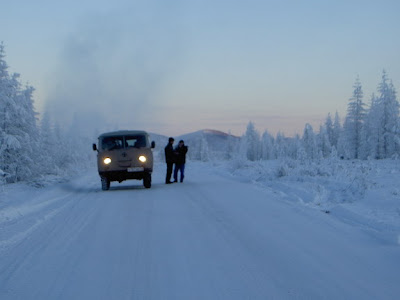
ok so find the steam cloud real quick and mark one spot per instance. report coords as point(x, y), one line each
point(113, 67)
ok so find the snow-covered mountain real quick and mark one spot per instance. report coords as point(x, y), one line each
point(209, 134)
point(207, 142)
point(160, 140)
point(202, 143)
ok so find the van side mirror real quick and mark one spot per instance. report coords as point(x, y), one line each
point(94, 147)
point(153, 144)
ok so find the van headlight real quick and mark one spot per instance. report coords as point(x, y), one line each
point(107, 160)
point(142, 158)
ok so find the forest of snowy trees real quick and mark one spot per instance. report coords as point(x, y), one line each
point(31, 149)
point(368, 132)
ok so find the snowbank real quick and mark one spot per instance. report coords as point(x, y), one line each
point(362, 193)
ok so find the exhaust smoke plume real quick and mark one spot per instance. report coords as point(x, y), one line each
point(112, 70)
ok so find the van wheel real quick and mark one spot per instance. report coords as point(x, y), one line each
point(105, 183)
point(147, 181)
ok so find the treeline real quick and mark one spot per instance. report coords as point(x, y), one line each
point(30, 150)
point(368, 132)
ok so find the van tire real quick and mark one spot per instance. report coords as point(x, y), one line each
point(147, 181)
point(105, 183)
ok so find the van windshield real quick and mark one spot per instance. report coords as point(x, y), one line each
point(112, 142)
point(121, 142)
point(136, 141)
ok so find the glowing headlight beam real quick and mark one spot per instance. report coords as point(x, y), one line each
point(107, 160)
point(142, 158)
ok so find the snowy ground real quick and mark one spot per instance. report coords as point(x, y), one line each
point(365, 194)
point(237, 230)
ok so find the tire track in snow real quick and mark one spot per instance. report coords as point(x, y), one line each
point(34, 241)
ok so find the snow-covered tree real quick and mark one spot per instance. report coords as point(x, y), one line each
point(382, 122)
point(47, 143)
point(389, 108)
point(280, 148)
point(252, 140)
point(324, 144)
point(30, 136)
point(329, 129)
point(232, 146)
point(337, 131)
point(372, 130)
point(309, 142)
point(352, 128)
point(267, 146)
point(294, 147)
point(18, 132)
point(300, 151)
point(6, 101)
point(26, 151)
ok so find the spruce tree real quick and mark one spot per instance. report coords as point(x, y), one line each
point(329, 129)
point(336, 135)
point(309, 142)
point(324, 144)
point(382, 122)
point(18, 131)
point(252, 139)
point(280, 145)
point(9, 131)
point(267, 146)
point(352, 128)
point(373, 130)
point(390, 115)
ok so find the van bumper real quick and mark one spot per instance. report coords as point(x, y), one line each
point(124, 175)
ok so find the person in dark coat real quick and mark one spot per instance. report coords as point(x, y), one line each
point(169, 159)
point(180, 151)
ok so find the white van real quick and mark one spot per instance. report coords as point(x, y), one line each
point(122, 155)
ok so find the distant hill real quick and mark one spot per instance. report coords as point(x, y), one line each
point(160, 140)
point(201, 143)
point(209, 142)
point(206, 132)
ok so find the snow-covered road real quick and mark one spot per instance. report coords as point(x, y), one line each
point(211, 237)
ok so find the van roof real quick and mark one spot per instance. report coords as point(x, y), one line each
point(124, 132)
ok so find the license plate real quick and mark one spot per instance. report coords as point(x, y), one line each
point(135, 169)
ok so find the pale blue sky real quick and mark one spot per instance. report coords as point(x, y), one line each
point(176, 66)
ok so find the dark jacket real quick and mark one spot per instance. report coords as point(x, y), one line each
point(169, 154)
point(181, 154)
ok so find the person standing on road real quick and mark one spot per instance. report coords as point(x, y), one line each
point(180, 151)
point(169, 159)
